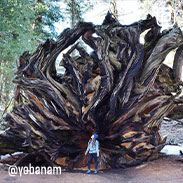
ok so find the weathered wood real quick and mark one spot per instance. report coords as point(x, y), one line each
point(121, 91)
point(177, 64)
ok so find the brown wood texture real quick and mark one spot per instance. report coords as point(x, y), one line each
point(121, 90)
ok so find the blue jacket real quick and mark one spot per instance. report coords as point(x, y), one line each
point(94, 149)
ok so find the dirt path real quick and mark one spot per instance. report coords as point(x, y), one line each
point(167, 169)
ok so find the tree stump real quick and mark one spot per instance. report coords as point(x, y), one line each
point(121, 90)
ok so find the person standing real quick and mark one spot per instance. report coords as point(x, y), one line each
point(93, 149)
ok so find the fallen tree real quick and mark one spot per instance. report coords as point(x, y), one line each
point(121, 91)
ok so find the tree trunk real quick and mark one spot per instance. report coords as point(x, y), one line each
point(121, 91)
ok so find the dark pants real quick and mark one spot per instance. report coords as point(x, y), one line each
point(92, 155)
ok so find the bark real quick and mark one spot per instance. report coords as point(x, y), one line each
point(177, 64)
point(121, 91)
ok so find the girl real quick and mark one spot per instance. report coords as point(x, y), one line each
point(93, 148)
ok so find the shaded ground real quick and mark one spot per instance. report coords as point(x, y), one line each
point(167, 169)
point(173, 130)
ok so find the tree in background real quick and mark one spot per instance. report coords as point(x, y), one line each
point(22, 25)
point(75, 10)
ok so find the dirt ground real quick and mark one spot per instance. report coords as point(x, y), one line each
point(167, 169)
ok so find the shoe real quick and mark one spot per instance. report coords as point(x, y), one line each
point(95, 171)
point(89, 171)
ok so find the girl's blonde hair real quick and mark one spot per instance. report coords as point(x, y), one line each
point(93, 143)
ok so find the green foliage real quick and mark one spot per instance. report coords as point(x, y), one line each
point(23, 23)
